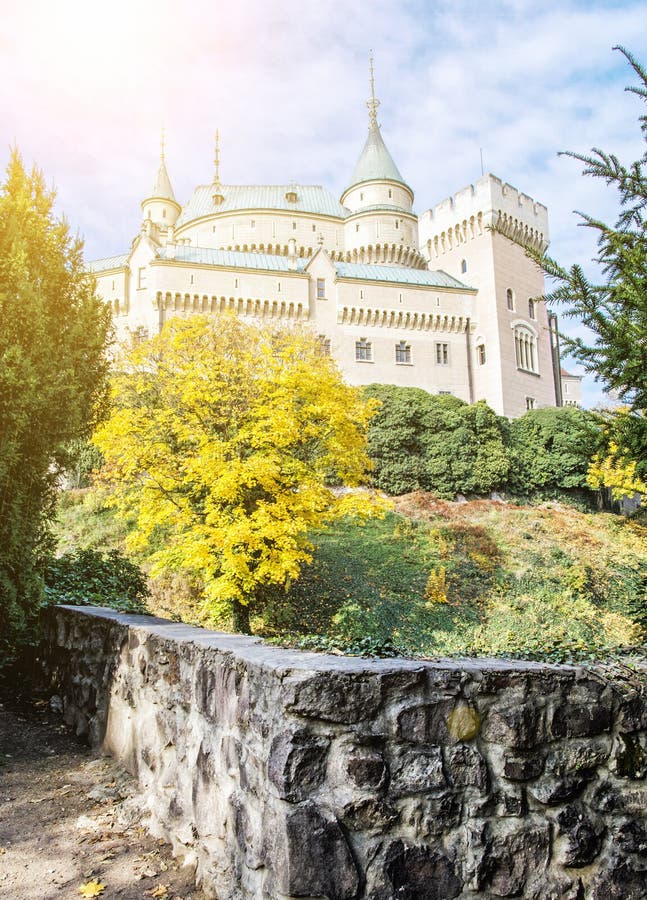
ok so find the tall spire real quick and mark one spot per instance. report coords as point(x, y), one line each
point(162, 189)
point(216, 160)
point(372, 104)
point(217, 196)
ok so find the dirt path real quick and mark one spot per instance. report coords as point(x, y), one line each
point(68, 818)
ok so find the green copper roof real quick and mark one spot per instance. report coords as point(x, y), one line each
point(162, 189)
point(209, 256)
point(399, 275)
point(311, 198)
point(375, 162)
point(110, 262)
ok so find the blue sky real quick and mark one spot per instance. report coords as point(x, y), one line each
point(85, 87)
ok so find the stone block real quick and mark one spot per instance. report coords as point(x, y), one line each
point(553, 790)
point(583, 837)
point(297, 763)
point(466, 767)
point(630, 757)
point(367, 769)
point(370, 815)
point(315, 859)
point(334, 697)
point(520, 767)
point(418, 771)
point(620, 879)
point(421, 873)
point(433, 722)
point(432, 815)
point(631, 837)
point(515, 858)
point(518, 726)
point(585, 710)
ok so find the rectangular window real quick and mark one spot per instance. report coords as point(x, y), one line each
point(321, 288)
point(141, 277)
point(294, 226)
point(445, 393)
point(530, 402)
point(253, 223)
point(403, 352)
point(442, 354)
point(480, 352)
point(363, 350)
point(324, 345)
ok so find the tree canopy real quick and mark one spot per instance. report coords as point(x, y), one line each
point(52, 378)
point(223, 440)
point(420, 441)
point(615, 308)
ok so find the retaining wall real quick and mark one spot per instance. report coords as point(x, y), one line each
point(302, 775)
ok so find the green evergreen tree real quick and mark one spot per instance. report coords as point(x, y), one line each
point(53, 371)
point(615, 309)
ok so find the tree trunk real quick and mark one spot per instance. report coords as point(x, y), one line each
point(241, 617)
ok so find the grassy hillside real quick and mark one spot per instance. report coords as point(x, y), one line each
point(436, 577)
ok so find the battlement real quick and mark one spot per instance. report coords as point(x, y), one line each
point(488, 195)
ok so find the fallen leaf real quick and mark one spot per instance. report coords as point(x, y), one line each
point(92, 888)
point(161, 891)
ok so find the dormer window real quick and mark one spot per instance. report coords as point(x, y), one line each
point(218, 198)
point(291, 196)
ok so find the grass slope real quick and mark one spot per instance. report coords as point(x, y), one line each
point(436, 577)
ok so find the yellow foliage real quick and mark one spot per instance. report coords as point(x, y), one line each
point(222, 439)
point(437, 587)
point(92, 888)
point(615, 471)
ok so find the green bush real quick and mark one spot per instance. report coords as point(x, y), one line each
point(436, 443)
point(550, 451)
point(91, 578)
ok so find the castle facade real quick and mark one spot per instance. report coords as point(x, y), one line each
point(438, 301)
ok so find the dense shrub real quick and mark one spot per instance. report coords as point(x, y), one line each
point(419, 441)
point(91, 578)
point(551, 449)
point(396, 437)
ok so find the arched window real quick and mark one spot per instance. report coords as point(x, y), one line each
point(480, 354)
point(509, 297)
point(531, 309)
point(463, 266)
point(525, 348)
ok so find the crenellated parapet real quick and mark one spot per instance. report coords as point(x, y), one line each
point(489, 203)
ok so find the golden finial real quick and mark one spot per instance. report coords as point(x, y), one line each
point(163, 144)
point(372, 103)
point(216, 159)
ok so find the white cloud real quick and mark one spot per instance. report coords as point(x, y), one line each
point(85, 88)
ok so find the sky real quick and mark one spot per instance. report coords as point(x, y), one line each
point(86, 86)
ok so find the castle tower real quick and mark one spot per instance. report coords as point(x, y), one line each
point(382, 228)
point(161, 208)
point(511, 354)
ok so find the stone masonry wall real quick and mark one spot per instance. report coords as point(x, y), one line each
point(301, 775)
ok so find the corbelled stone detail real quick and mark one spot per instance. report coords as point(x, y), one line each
point(288, 774)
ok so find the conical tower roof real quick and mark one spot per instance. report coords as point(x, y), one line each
point(375, 162)
point(162, 189)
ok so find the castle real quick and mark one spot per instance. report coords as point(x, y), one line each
point(438, 301)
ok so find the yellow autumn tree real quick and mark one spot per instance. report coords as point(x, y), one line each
point(222, 442)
